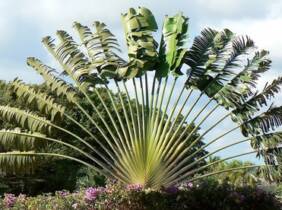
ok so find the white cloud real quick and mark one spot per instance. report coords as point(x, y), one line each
point(233, 9)
point(266, 33)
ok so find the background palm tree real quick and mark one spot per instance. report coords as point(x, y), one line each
point(141, 142)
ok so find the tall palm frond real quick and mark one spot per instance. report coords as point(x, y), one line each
point(102, 48)
point(57, 85)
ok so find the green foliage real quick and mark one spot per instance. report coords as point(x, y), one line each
point(142, 48)
point(240, 177)
point(101, 111)
point(173, 49)
point(206, 195)
point(57, 172)
point(86, 178)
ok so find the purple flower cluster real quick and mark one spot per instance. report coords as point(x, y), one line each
point(9, 200)
point(134, 187)
point(187, 185)
point(91, 193)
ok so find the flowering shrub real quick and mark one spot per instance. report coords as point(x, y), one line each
point(201, 196)
point(9, 200)
point(134, 187)
point(91, 193)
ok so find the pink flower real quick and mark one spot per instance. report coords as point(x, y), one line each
point(9, 200)
point(189, 184)
point(134, 187)
point(91, 193)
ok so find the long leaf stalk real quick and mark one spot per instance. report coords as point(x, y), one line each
point(126, 144)
point(114, 104)
point(153, 164)
point(169, 133)
point(38, 96)
point(143, 109)
point(190, 165)
point(127, 120)
point(154, 107)
point(160, 126)
point(153, 144)
point(138, 112)
point(185, 173)
point(95, 160)
point(161, 139)
point(131, 149)
point(152, 100)
point(181, 123)
point(216, 151)
point(73, 135)
point(147, 98)
point(176, 152)
point(176, 146)
point(211, 142)
point(121, 162)
point(147, 134)
point(48, 154)
point(224, 171)
point(135, 141)
point(140, 131)
point(159, 109)
point(195, 118)
point(125, 162)
point(145, 142)
point(95, 138)
point(217, 138)
point(133, 118)
point(180, 162)
point(111, 117)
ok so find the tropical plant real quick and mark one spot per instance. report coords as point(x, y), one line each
point(51, 175)
point(148, 147)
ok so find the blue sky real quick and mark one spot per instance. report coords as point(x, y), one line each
point(24, 22)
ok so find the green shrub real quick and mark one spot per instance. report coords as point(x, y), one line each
point(208, 195)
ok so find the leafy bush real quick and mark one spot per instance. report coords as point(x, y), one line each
point(198, 196)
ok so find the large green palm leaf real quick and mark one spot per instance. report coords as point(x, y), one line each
point(150, 137)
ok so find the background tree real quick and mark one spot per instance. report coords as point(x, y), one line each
point(240, 177)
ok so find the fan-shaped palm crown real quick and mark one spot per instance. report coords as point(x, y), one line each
point(158, 86)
